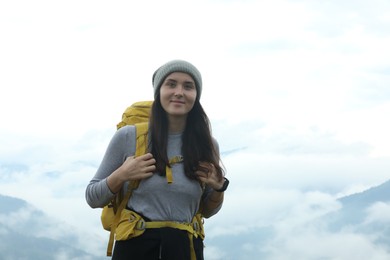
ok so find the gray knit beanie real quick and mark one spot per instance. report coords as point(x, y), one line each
point(177, 66)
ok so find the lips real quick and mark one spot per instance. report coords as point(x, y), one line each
point(177, 101)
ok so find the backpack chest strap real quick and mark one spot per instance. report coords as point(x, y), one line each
point(168, 169)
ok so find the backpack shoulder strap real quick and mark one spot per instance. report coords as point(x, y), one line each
point(122, 205)
point(141, 148)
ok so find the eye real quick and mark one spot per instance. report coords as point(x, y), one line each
point(189, 86)
point(170, 83)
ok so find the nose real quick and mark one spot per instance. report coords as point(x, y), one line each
point(179, 91)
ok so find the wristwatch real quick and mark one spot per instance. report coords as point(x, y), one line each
point(224, 186)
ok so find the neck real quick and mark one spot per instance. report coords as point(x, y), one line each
point(176, 124)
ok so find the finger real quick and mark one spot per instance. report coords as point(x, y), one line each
point(203, 168)
point(150, 169)
point(145, 157)
point(203, 180)
point(202, 174)
point(148, 163)
point(206, 166)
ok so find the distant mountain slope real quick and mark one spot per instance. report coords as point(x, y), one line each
point(354, 207)
point(22, 229)
point(368, 197)
point(351, 218)
point(355, 214)
point(10, 204)
point(20, 246)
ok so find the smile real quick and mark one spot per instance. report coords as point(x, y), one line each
point(177, 102)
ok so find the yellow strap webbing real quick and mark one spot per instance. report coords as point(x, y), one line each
point(192, 248)
point(142, 139)
point(168, 170)
point(168, 173)
point(171, 224)
point(130, 189)
point(141, 147)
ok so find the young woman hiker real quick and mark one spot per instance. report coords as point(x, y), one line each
point(178, 127)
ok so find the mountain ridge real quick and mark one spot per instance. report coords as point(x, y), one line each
point(24, 227)
point(24, 232)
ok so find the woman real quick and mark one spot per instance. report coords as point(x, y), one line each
point(178, 127)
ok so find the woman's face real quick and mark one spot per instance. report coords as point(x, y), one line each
point(178, 94)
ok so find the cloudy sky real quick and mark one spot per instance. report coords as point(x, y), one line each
point(298, 93)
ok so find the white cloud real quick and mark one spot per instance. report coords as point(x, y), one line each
point(317, 244)
point(214, 253)
point(298, 102)
point(378, 213)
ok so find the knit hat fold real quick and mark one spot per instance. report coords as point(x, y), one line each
point(176, 66)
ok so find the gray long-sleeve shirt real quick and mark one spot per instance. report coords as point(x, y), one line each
point(154, 198)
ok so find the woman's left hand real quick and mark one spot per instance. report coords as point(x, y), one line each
point(208, 175)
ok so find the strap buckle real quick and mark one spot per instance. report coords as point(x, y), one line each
point(141, 225)
point(195, 226)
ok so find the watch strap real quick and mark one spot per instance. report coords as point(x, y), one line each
point(224, 186)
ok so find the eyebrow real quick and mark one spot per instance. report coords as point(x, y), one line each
point(171, 80)
point(185, 82)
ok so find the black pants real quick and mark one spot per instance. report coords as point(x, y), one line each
point(156, 244)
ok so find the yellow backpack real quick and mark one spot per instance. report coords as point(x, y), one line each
point(138, 114)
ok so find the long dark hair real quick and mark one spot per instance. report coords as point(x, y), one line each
point(197, 141)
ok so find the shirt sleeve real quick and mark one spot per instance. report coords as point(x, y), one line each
point(121, 146)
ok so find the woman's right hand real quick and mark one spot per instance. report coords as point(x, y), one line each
point(138, 168)
point(133, 168)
